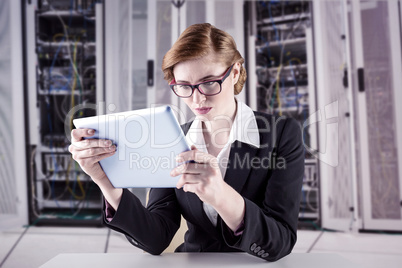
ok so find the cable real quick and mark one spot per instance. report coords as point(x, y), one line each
point(270, 100)
point(51, 149)
point(308, 201)
point(74, 85)
point(280, 60)
point(85, 12)
point(73, 193)
point(87, 70)
point(266, 45)
point(278, 97)
point(76, 180)
point(48, 101)
point(295, 81)
point(64, 108)
point(282, 47)
point(33, 207)
point(57, 35)
point(57, 109)
point(52, 65)
point(32, 167)
point(58, 74)
point(68, 46)
point(273, 23)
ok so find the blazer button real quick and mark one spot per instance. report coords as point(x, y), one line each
point(257, 249)
point(253, 246)
point(260, 252)
point(266, 254)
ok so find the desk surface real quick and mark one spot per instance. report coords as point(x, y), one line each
point(195, 260)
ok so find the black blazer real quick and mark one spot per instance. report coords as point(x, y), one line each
point(271, 191)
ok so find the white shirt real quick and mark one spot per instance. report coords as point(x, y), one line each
point(244, 129)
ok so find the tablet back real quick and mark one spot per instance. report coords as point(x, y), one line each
point(147, 141)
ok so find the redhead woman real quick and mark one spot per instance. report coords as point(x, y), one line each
point(239, 190)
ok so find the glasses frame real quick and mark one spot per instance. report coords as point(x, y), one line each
point(197, 86)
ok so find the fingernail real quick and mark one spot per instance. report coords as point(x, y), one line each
point(108, 143)
point(112, 148)
point(91, 132)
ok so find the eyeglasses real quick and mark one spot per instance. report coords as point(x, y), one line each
point(208, 88)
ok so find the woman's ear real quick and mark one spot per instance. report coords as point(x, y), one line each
point(236, 73)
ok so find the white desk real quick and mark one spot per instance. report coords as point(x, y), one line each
point(195, 260)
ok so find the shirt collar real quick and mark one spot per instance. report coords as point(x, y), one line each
point(244, 129)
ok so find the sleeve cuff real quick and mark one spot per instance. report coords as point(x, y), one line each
point(239, 230)
point(109, 211)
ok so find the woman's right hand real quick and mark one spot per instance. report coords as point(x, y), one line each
point(88, 152)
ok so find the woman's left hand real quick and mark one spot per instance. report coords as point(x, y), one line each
point(200, 175)
point(203, 177)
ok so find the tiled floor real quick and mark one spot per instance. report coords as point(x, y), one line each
point(34, 246)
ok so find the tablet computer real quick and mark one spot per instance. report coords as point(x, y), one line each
point(147, 142)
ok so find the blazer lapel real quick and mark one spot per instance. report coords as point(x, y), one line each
point(239, 166)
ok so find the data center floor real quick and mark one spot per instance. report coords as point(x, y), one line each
point(33, 246)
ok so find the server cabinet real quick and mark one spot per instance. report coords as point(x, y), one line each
point(375, 28)
point(62, 73)
point(334, 106)
point(281, 73)
point(358, 67)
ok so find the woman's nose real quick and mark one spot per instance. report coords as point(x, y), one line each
point(197, 96)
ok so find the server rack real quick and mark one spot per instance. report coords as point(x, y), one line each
point(375, 42)
point(62, 74)
point(282, 82)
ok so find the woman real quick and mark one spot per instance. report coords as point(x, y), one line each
point(240, 187)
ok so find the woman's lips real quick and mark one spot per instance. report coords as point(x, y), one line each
point(203, 110)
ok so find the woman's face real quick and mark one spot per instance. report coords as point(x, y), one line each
point(206, 69)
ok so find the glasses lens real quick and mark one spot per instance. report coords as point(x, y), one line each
point(183, 90)
point(210, 88)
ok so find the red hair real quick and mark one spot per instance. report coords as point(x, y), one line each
point(199, 40)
